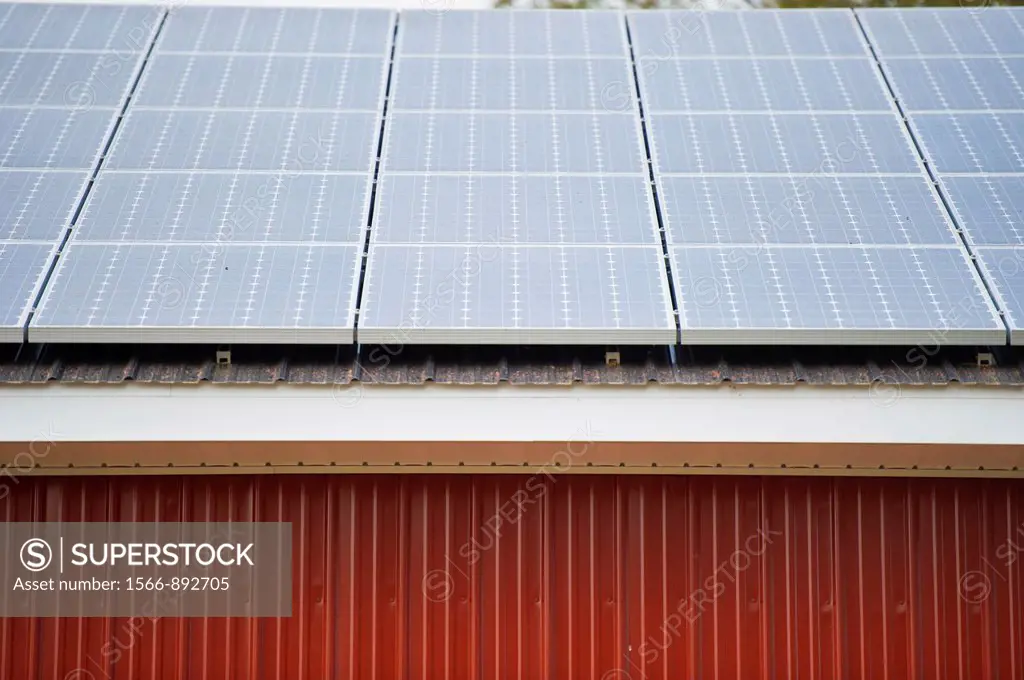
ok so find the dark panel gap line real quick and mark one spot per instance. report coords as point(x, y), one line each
point(115, 128)
point(375, 183)
point(653, 186)
point(936, 185)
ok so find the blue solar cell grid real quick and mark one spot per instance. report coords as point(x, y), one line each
point(65, 72)
point(802, 200)
point(515, 138)
point(239, 184)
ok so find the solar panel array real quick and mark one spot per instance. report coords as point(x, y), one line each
point(65, 71)
point(514, 204)
point(212, 175)
point(960, 78)
point(234, 199)
point(796, 209)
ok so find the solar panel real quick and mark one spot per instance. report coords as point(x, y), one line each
point(277, 30)
point(123, 30)
point(65, 72)
point(990, 208)
point(833, 209)
point(514, 142)
point(62, 79)
point(522, 34)
point(963, 92)
point(512, 199)
point(22, 268)
point(530, 209)
point(944, 31)
point(775, 138)
point(1004, 269)
point(482, 84)
point(972, 142)
point(36, 205)
point(65, 138)
point(200, 293)
point(233, 202)
point(516, 294)
point(766, 33)
point(286, 141)
point(182, 207)
point(944, 83)
point(780, 85)
point(262, 81)
point(829, 295)
point(790, 143)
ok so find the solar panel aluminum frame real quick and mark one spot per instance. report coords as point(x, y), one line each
point(1014, 324)
point(213, 335)
point(516, 336)
point(207, 334)
point(924, 337)
point(18, 334)
point(406, 333)
point(823, 336)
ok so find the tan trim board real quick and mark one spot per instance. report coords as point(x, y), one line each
point(510, 457)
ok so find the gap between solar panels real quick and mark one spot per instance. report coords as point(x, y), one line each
point(513, 196)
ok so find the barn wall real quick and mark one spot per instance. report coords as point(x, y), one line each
point(596, 577)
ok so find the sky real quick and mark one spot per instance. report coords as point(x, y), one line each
point(402, 4)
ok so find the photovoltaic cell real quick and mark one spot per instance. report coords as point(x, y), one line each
point(972, 142)
point(839, 295)
point(52, 138)
point(226, 208)
point(279, 31)
point(942, 31)
point(122, 29)
point(955, 75)
point(765, 33)
point(790, 143)
point(65, 79)
point(37, 206)
point(537, 33)
point(505, 142)
point(290, 141)
point(761, 85)
point(201, 293)
point(515, 294)
point(22, 267)
point(232, 204)
point(989, 208)
point(1004, 269)
point(262, 81)
point(505, 84)
point(942, 83)
point(792, 196)
point(506, 210)
point(803, 210)
point(514, 203)
point(65, 71)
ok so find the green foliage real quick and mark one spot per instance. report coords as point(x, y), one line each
point(662, 4)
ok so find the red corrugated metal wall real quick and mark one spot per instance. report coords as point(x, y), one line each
point(596, 577)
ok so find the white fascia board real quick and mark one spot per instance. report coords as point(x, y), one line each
point(936, 415)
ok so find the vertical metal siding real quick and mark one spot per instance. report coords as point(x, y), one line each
point(596, 577)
